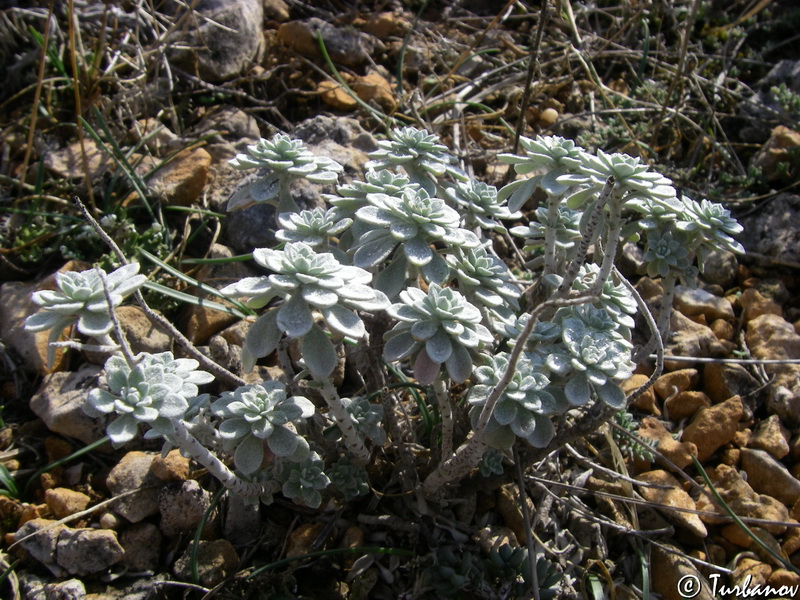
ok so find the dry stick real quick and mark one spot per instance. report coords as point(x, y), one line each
point(679, 72)
point(470, 452)
point(526, 516)
point(161, 322)
point(37, 95)
point(123, 341)
point(533, 68)
point(77, 91)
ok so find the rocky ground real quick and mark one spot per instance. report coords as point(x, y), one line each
point(170, 95)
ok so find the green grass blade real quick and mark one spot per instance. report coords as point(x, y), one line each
point(243, 310)
point(217, 261)
point(7, 481)
point(61, 461)
point(194, 560)
point(189, 299)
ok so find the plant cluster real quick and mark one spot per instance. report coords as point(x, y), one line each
point(410, 247)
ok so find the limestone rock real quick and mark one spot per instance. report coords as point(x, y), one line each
point(673, 496)
point(277, 10)
point(133, 473)
point(771, 337)
point(373, 87)
point(713, 427)
point(182, 506)
point(508, 507)
point(86, 551)
point(385, 24)
point(242, 520)
point(302, 538)
point(172, 467)
point(60, 401)
point(692, 339)
point(780, 149)
point(336, 96)
point(679, 453)
point(340, 138)
point(71, 589)
point(223, 42)
point(767, 476)
point(142, 544)
point(722, 381)
point(696, 301)
point(647, 401)
point(41, 546)
point(754, 304)
point(68, 162)
point(686, 404)
point(742, 499)
point(675, 382)
point(752, 571)
point(720, 267)
point(345, 46)
point(180, 182)
point(670, 569)
point(216, 561)
point(771, 230)
point(63, 502)
point(772, 437)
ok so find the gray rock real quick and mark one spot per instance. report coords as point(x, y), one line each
point(691, 339)
point(60, 401)
point(226, 36)
point(720, 267)
point(340, 138)
point(133, 473)
point(692, 302)
point(771, 230)
point(182, 506)
point(140, 332)
point(72, 589)
point(345, 46)
point(229, 124)
point(31, 586)
point(39, 538)
point(242, 520)
point(142, 544)
point(767, 476)
point(216, 561)
point(86, 551)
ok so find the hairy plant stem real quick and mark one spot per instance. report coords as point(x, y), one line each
point(339, 413)
point(613, 231)
point(189, 444)
point(586, 241)
point(446, 412)
point(550, 235)
point(470, 452)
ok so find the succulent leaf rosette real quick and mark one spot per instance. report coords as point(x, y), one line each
point(353, 196)
point(483, 278)
point(632, 179)
point(616, 299)
point(303, 480)
point(307, 281)
point(554, 155)
point(258, 416)
point(287, 159)
point(565, 224)
point(667, 253)
point(711, 225)
point(81, 299)
point(419, 153)
point(415, 221)
point(599, 356)
point(524, 408)
point(313, 227)
point(481, 204)
point(155, 388)
point(437, 328)
point(366, 418)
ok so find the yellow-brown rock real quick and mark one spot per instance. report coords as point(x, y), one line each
point(647, 401)
point(675, 382)
point(771, 436)
point(754, 304)
point(686, 404)
point(679, 453)
point(780, 149)
point(672, 495)
point(180, 181)
point(63, 502)
point(714, 426)
point(334, 95)
point(373, 87)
